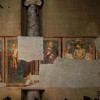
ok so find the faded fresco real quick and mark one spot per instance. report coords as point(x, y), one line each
point(79, 48)
point(1, 59)
point(52, 49)
point(17, 71)
point(14, 67)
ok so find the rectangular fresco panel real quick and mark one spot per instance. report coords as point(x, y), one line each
point(1, 59)
point(17, 71)
point(79, 48)
point(52, 49)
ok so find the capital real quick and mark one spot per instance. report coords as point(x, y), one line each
point(30, 2)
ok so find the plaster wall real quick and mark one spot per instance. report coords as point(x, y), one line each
point(70, 18)
point(53, 93)
point(10, 17)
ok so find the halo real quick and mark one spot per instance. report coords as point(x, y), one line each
point(11, 44)
point(50, 42)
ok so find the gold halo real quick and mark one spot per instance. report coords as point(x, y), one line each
point(50, 42)
point(11, 44)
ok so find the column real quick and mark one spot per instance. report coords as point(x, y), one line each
point(33, 17)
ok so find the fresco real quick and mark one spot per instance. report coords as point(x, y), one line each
point(17, 71)
point(52, 49)
point(79, 48)
point(1, 59)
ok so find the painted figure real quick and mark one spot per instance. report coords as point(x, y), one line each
point(49, 53)
point(13, 54)
point(89, 53)
point(67, 52)
point(79, 52)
